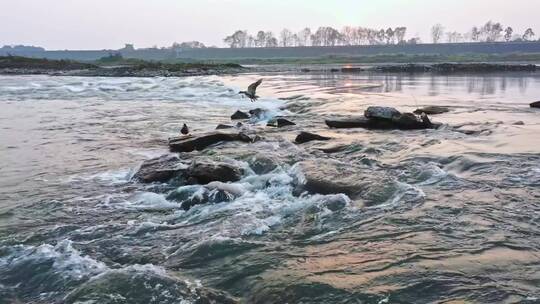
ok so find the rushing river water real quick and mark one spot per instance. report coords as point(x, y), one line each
point(454, 218)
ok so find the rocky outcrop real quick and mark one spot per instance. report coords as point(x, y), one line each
point(535, 104)
point(381, 113)
point(201, 142)
point(384, 118)
point(207, 171)
point(240, 115)
point(262, 164)
point(432, 110)
point(324, 176)
point(305, 137)
point(280, 123)
point(161, 169)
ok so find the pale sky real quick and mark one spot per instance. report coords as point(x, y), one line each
point(104, 24)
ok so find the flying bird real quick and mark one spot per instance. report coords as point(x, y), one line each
point(251, 91)
point(184, 130)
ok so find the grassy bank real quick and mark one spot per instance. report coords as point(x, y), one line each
point(397, 58)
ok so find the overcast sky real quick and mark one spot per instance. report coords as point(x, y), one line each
point(100, 24)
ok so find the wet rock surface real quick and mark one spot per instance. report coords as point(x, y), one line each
point(383, 118)
point(535, 104)
point(238, 115)
point(280, 123)
point(159, 169)
point(432, 110)
point(305, 137)
point(201, 142)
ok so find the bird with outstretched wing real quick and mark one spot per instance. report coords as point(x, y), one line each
point(252, 90)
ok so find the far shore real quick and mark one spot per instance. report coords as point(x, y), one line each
point(119, 67)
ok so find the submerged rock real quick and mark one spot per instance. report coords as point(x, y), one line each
point(305, 137)
point(535, 104)
point(201, 142)
point(324, 176)
point(240, 115)
point(160, 169)
point(280, 122)
point(262, 164)
point(222, 126)
point(358, 122)
point(206, 171)
point(432, 110)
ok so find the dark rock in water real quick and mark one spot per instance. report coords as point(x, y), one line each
point(409, 121)
point(335, 202)
point(143, 284)
point(384, 118)
point(334, 70)
point(519, 123)
point(359, 122)
point(280, 122)
point(305, 137)
point(432, 110)
point(535, 104)
point(209, 171)
point(190, 196)
point(305, 70)
point(262, 164)
point(201, 142)
point(334, 149)
point(351, 69)
point(381, 112)
point(159, 169)
point(404, 68)
point(222, 126)
point(240, 115)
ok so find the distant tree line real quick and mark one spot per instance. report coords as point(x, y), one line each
point(489, 32)
point(323, 36)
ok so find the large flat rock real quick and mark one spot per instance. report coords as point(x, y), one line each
point(201, 142)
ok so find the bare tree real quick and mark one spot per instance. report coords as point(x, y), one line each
point(348, 35)
point(529, 34)
point(260, 40)
point(508, 33)
point(304, 37)
point(389, 36)
point(400, 32)
point(271, 41)
point(475, 34)
point(436, 32)
point(286, 38)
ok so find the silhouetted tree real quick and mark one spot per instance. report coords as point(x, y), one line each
point(436, 33)
point(529, 34)
point(286, 37)
point(304, 37)
point(508, 33)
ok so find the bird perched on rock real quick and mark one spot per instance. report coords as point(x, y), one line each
point(251, 91)
point(184, 130)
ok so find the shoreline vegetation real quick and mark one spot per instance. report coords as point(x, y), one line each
point(112, 67)
point(116, 66)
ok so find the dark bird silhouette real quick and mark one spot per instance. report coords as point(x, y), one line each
point(185, 130)
point(251, 91)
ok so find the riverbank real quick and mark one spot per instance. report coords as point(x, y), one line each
point(13, 65)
